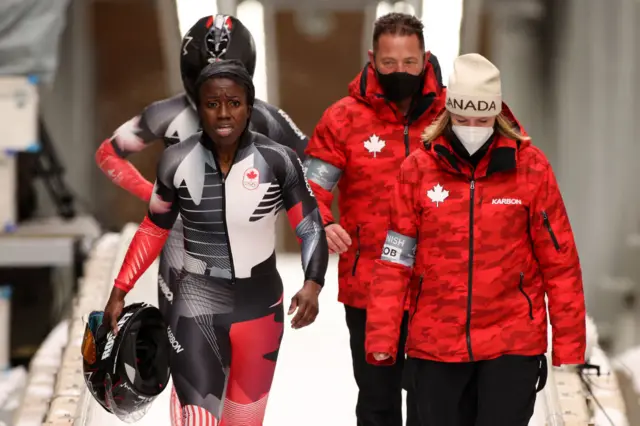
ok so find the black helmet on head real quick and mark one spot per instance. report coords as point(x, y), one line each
point(213, 38)
point(127, 371)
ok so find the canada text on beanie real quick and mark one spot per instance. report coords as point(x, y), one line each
point(474, 87)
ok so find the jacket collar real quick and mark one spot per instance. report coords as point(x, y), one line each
point(502, 156)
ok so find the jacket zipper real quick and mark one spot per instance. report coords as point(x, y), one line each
point(524, 293)
point(406, 139)
point(223, 179)
point(472, 190)
point(547, 224)
point(355, 262)
point(415, 309)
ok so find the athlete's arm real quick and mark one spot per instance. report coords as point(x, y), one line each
point(148, 241)
point(134, 136)
point(304, 217)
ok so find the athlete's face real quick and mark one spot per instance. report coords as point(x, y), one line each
point(223, 110)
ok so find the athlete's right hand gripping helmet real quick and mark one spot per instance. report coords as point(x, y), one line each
point(125, 373)
point(214, 38)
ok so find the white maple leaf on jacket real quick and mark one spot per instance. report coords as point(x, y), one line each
point(438, 194)
point(374, 144)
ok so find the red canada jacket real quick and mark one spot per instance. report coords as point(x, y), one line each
point(359, 144)
point(483, 248)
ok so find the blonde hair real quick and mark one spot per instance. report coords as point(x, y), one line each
point(503, 125)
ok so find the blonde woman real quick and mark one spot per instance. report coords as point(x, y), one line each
point(479, 229)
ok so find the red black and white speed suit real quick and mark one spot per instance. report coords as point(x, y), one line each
point(229, 294)
point(174, 120)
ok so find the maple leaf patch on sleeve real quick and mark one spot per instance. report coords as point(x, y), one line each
point(438, 194)
point(374, 144)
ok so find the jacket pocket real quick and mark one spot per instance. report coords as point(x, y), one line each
point(547, 224)
point(524, 293)
point(357, 257)
point(417, 298)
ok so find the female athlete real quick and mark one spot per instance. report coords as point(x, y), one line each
point(227, 183)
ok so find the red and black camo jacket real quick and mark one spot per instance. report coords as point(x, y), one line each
point(358, 145)
point(482, 249)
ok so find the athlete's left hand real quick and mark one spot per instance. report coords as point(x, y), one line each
point(306, 302)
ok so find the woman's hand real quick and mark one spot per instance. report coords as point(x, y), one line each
point(114, 308)
point(381, 356)
point(306, 301)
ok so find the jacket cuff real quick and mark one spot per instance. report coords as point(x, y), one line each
point(381, 348)
point(557, 360)
point(317, 280)
point(122, 286)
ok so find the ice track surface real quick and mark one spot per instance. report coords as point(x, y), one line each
point(314, 383)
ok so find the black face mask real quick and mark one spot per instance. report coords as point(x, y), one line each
point(398, 86)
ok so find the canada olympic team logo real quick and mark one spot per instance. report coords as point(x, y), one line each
point(251, 178)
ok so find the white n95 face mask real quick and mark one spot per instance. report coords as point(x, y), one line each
point(472, 138)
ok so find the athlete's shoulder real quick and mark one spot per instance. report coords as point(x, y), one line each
point(271, 150)
point(267, 109)
point(167, 108)
point(261, 105)
point(185, 146)
point(263, 141)
point(281, 118)
point(261, 120)
point(263, 112)
point(159, 115)
point(175, 154)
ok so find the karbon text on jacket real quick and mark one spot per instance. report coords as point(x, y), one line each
point(484, 247)
point(359, 145)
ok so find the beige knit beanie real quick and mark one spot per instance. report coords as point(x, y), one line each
point(474, 87)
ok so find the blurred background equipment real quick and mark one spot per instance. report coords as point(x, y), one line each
point(29, 36)
point(72, 71)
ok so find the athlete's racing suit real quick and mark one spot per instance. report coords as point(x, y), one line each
point(174, 120)
point(226, 322)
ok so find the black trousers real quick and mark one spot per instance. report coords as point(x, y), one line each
point(498, 392)
point(380, 387)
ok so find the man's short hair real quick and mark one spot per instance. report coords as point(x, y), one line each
point(401, 24)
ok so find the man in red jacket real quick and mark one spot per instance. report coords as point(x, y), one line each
point(358, 146)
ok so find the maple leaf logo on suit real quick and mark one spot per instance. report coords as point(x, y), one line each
point(251, 178)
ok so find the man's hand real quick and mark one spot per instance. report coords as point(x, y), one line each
point(306, 302)
point(114, 308)
point(337, 238)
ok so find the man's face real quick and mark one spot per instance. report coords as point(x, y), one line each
point(398, 53)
